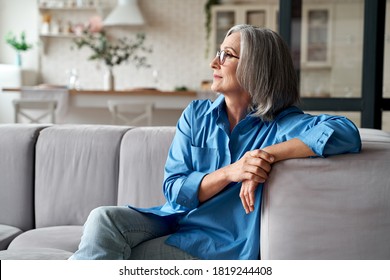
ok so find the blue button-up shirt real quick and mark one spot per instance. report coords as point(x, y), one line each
point(219, 228)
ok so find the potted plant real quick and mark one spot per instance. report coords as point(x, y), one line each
point(20, 45)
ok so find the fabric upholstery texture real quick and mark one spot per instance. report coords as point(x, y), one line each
point(333, 208)
point(7, 234)
point(17, 156)
point(76, 171)
point(35, 254)
point(144, 152)
point(66, 238)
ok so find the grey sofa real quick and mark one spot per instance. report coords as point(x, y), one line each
point(51, 177)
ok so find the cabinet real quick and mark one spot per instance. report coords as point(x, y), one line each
point(225, 16)
point(316, 36)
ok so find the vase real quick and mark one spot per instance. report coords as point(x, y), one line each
point(109, 79)
point(18, 59)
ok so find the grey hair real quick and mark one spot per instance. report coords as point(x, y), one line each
point(266, 71)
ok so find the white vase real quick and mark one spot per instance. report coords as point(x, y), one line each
point(109, 80)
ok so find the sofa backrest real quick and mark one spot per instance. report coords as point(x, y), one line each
point(77, 169)
point(144, 151)
point(332, 208)
point(17, 151)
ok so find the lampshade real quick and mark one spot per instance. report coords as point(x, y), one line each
point(125, 13)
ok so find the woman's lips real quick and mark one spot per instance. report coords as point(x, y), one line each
point(217, 76)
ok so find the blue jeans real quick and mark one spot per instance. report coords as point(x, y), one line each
point(121, 233)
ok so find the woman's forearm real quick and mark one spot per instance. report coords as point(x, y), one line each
point(293, 148)
point(212, 184)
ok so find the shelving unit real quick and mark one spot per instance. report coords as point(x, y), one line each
point(65, 19)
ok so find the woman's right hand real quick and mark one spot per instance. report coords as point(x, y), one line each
point(254, 166)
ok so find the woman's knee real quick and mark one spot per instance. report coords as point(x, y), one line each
point(101, 214)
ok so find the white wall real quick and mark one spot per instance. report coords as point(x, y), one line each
point(18, 16)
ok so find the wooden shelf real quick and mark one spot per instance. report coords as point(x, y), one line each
point(69, 35)
point(135, 92)
point(86, 8)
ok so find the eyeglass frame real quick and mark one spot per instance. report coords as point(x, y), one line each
point(222, 56)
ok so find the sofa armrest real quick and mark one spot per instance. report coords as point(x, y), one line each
point(332, 208)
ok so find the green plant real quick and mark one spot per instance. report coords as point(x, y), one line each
point(207, 10)
point(18, 44)
point(181, 88)
point(114, 52)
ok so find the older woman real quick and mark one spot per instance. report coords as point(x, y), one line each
point(220, 157)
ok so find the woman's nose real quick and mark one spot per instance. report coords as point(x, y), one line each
point(215, 63)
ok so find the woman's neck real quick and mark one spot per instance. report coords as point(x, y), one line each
point(237, 109)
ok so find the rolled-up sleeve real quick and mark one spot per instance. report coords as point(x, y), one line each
point(317, 138)
point(326, 135)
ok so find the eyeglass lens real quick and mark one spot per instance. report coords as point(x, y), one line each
point(221, 56)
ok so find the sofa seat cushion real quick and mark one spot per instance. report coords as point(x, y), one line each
point(61, 237)
point(35, 254)
point(7, 234)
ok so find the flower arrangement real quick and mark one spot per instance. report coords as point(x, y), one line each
point(111, 52)
point(18, 44)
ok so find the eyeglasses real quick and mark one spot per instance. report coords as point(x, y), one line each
point(222, 56)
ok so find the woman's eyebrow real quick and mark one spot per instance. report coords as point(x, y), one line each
point(230, 48)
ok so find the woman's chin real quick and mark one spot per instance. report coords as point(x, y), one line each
point(214, 88)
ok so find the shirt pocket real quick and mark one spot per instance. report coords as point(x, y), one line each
point(204, 159)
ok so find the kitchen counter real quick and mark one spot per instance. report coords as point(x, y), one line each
point(133, 92)
point(90, 106)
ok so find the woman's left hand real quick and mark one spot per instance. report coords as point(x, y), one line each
point(247, 195)
point(293, 148)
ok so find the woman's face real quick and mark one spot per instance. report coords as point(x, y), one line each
point(224, 76)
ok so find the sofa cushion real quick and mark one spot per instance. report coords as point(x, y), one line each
point(35, 254)
point(77, 170)
point(17, 152)
point(7, 234)
point(144, 151)
point(61, 237)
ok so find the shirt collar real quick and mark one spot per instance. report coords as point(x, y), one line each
point(218, 103)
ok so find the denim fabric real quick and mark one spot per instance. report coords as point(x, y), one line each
point(111, 233)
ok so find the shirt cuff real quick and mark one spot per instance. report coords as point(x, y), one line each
point(316, 138)
point(188, 195)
